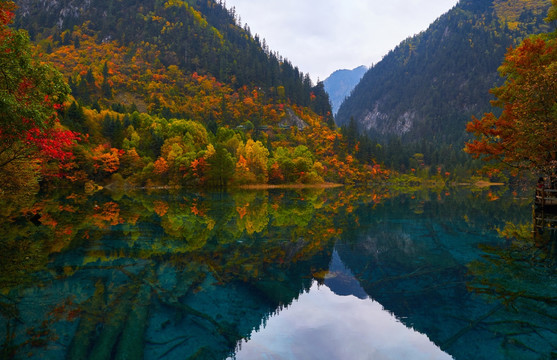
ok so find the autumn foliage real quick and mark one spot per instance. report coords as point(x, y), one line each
point(523, 136)
point(31, 95)
point(150, 124)
point(192, 130)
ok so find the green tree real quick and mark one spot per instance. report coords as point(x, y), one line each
point(106, 89)
point(74, 118)
point(350, 132)
point(221, 167)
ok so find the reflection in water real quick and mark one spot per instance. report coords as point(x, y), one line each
point(520, 277)
point(341, 280)
point(337, 321)
point(290, 273)
point(172, 275)
point(447, 274)
point(545, 231)
point(323, 325)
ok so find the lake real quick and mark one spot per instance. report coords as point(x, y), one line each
point(278, 274)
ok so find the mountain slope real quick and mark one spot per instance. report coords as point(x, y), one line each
point(340, 83)
point(176, 93)
point(428, 87)
point(196, 36)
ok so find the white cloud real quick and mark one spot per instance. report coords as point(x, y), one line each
point(321, 36)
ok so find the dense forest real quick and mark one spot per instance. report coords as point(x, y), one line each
point(196, 36)
point(178, 93)
point(172, 93)
point(416, 102)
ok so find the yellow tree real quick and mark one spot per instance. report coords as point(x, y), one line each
point(255, 156)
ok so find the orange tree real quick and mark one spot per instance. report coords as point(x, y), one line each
point(524, 136)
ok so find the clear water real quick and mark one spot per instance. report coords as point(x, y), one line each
point(308, 274)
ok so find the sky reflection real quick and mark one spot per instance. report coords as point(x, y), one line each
point(324, 325)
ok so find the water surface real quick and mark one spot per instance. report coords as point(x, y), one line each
point(306, 274)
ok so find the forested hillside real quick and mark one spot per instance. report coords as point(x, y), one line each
point(418, 99)
point(200, 36)
point(177, 93)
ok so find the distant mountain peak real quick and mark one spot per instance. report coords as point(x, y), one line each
point(341, 82)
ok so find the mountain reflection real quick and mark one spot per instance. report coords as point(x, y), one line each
point(174, 275)
point(341, 281)
point(446, 272)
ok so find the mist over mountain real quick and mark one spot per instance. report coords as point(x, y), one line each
point(421, 94)
point(340, 83)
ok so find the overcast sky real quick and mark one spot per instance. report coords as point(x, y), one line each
point(321, 36)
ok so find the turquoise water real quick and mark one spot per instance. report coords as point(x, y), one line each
point(312, 274)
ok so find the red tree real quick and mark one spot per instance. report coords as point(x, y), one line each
point(31, 93)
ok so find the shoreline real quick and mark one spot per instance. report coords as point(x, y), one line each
point(326, 185)
point(288, 186)
point(112, 187)
point(482, 184)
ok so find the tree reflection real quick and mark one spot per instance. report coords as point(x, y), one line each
point(515, 276)
point(415, 255)
point(154, 275)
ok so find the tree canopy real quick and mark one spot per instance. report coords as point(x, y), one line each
point(31, 92)
point(524, 135)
